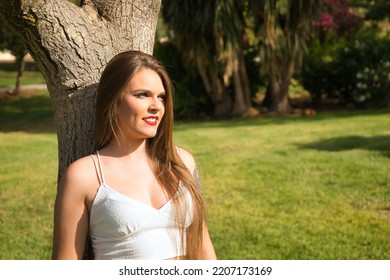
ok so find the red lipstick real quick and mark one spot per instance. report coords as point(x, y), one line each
point(152, 120)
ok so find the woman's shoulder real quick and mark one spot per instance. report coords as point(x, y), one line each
point(81, 166)
point(80, 173)
point(187, 158)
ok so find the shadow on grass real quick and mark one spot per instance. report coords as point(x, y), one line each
point(33, 114)
point(379, 143)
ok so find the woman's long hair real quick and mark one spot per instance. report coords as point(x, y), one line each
point(168, 166)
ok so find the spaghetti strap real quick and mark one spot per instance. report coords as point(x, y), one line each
point(98, 168)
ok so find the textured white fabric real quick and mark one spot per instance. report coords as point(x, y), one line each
point(124, 228)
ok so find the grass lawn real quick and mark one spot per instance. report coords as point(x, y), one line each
point(276, 188)
point(30, 75)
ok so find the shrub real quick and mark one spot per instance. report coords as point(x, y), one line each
point(354, 71)
point(373, 86)
point(318, 74)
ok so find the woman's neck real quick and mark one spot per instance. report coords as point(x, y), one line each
point(126, 149)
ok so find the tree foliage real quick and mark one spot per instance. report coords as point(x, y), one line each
point(213, 36)
point(283, 28)
point(193, 34)
point(348, 62)
point(9, 40)
point(378, 10)
point(336, 19)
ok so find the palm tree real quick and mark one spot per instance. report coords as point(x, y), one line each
point(209, 36)
point(229, 33)
point(283, 27)
point(190, 23)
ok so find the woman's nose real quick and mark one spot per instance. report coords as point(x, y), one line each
point(156, 104)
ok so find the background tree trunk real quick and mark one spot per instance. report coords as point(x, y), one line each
point(21, 63)
point(280, 76)
point(239, 100)
point(71, 45)
point(242, 101)
point(222, 101)
point(214, 87)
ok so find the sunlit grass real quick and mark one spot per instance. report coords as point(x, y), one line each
point(29, 77)
point(276, 188)
point(303, 188)
point(27, 184)
point(28, 166)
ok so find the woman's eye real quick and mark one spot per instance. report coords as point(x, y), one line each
point(162, 97)
point(142, 94)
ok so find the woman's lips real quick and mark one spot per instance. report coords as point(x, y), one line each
point(151, 120)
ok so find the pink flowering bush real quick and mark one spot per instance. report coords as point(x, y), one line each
point(336, 19)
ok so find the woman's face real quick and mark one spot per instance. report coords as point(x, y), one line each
point(141, 106)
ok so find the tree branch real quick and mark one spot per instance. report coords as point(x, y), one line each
point(140, 11)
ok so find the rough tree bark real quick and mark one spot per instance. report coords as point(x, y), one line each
point(71, 45)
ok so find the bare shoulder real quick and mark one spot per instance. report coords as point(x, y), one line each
point(80, 176)
point(82, 169)
point(187, 158)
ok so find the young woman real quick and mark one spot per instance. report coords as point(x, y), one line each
point(138, 196)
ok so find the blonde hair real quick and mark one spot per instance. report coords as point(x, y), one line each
point(168, 166)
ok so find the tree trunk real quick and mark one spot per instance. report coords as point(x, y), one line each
point(242, 102)
point(239, 100)
point(202, 70)
point(222, 100)
point(213, 85)
point(280, 75)
point(21, 63)
point(278, 96)
point(71, 45)
point(244, 79)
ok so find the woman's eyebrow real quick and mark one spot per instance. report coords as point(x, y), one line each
point(140, 89)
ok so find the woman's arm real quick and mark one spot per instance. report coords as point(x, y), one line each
point(71, 216)
point(207, 252)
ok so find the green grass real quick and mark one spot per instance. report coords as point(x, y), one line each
point(296, 188)
point(276, 188)
point(28, 166)
point(28, 173)
point(30, 75)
